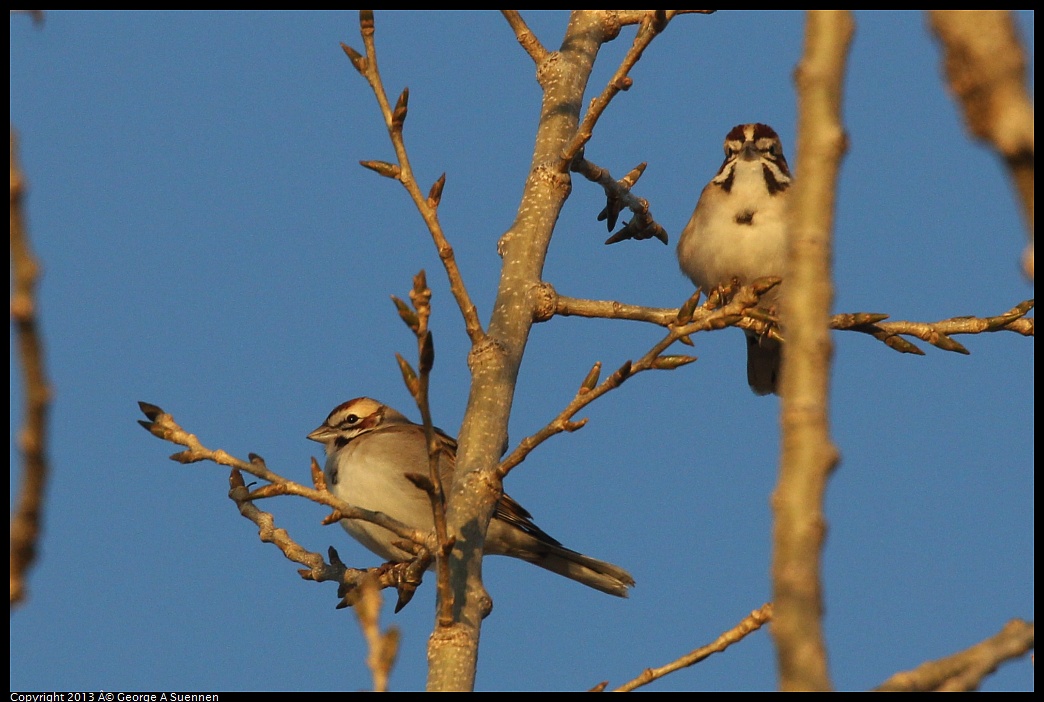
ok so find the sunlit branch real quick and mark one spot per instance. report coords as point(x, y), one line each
point(808, 455)
point(751, 623)
point(418, 383)
point(937, 333)
point(525, 36)
point(965, 671)
point(162, 425)
point(427, 205)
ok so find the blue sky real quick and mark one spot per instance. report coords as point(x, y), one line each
point(211, 245)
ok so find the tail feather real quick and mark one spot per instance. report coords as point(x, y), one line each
point(508, 540)
point(592, 572)
point(763, 360)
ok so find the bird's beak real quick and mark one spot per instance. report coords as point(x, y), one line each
point(748, 152)
point(322, 434)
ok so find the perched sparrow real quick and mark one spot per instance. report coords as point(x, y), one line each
point(739, 230)
point(370, 448)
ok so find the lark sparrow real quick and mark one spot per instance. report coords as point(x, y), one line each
point(739, 230)
point(370, 447)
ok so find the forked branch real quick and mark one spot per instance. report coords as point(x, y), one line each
point(651, 23)
point(402, 171)
point(938, 334)
point(403, 576)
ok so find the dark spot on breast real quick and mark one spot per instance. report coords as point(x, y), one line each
point(745, 217)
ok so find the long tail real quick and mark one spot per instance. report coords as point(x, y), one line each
point(592, 572)
point(538, 548)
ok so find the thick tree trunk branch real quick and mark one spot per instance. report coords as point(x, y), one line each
point(808, 455)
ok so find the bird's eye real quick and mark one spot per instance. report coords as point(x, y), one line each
point(351, 420)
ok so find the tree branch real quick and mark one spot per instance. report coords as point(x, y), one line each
point(525, 36)
point(965, 671)
point(384, 646)
point(986, 68)
point(686, 321)
point(618, 195)
point(808, 454)
point(418, 383)
point(359, 589)
point(751, 623)
point(937, 333)
point(652, 23)
point(427, 205)
point(25, 271)
point(403, 576)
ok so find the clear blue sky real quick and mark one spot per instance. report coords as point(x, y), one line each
point(211, 245)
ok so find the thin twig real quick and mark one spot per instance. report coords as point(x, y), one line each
point(359, 589)
point(938, 333)
point(427, 205)
point(25, 271)
point(162, 425)
point(418, 384)
point(751, 623)
point(738, 313)
point(685, 322)
point(652, 23)
point(618, 195)
point(384, 646)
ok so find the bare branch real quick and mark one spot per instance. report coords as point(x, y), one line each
point(740, 311)
point(938, 333)
point(618, 196)
point(652, 23)
point(808, 454)
point(162, 426)
point(610, 309)
point(590, 389)
point(427, 205)
point(359, 589)
point(871, 323)
point(417, 320)
point(525, 36)
point(751, 623)
point(25, 271)
point(494, 363)
point(986, 67)
point(384, 646)
point(966, 670)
